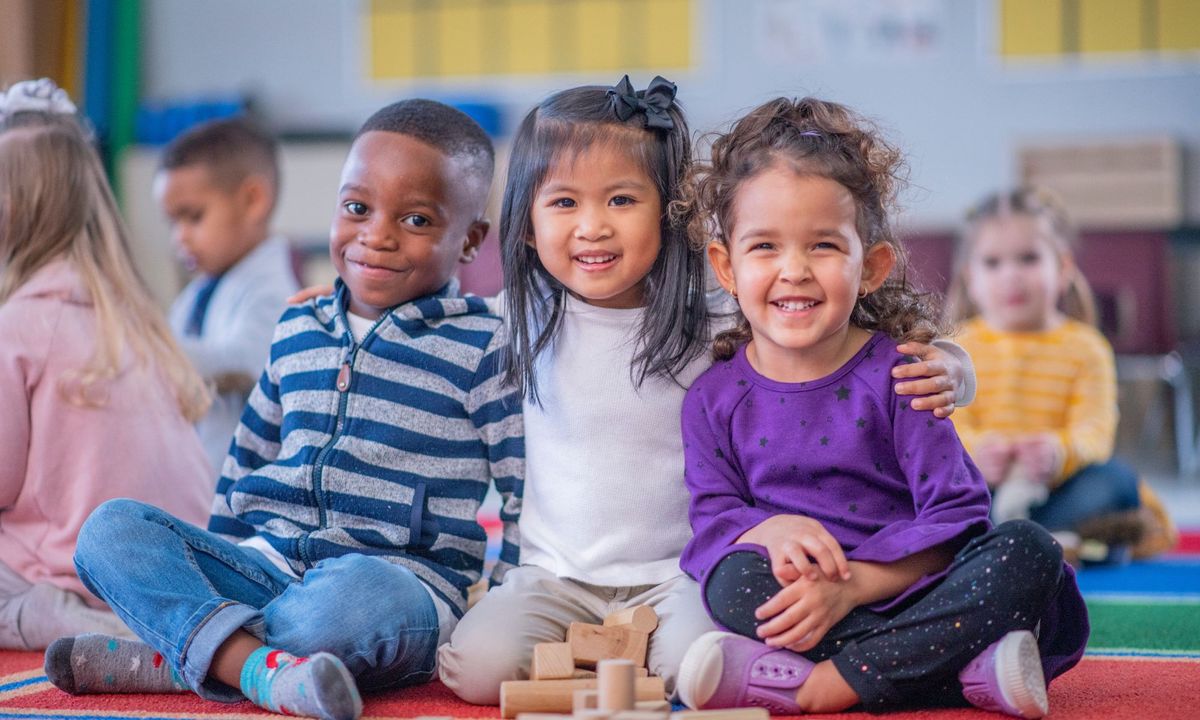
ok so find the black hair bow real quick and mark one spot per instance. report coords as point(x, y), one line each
point(653, 102)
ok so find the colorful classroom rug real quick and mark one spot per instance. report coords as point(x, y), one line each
point(1143, 661)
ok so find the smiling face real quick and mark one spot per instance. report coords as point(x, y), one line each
point(597, 226)
point(796, 263)
point(406, 215)
point(1015, 274)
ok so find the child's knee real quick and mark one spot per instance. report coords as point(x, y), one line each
point(101, 532)
point(473, 664)
point(740, 582)
point(1030, 544)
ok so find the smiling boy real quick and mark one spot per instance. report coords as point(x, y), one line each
point(344, 526)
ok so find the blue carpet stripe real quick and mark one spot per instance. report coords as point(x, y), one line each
point(22, 683)
point(1168, 577)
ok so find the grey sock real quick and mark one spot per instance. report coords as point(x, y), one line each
point(104, 664)
point(317, 686)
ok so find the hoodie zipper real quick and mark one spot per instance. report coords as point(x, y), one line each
point(344, 378)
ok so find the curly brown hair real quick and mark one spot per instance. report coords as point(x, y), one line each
point(815, 138)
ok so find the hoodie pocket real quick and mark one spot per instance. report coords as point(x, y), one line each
point(422, 526)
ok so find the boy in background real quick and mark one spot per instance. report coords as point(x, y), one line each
point(217, 184)
point(344, 533)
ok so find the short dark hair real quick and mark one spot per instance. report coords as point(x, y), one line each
point(231, 148)
point(448, 129)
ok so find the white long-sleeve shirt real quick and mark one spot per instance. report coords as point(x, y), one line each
point(238, 327)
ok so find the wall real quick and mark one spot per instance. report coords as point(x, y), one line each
point(957, 113)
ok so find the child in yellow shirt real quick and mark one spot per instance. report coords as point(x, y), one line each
point(1043, 423)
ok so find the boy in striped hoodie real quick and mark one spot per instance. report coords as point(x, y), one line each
point(343, 536)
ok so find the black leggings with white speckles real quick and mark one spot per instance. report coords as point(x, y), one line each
point(911, 655)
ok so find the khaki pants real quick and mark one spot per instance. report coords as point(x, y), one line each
point(33, 616)
point(494, 640)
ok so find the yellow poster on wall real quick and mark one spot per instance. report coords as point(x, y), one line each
point(1093, 28)
point(468, 38)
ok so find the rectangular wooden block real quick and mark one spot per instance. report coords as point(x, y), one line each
point(552, 661)
point(557, 696)
point(653, 706)
point(592, 643)
point(644, 714)
point(639, 617)
point(730, 714)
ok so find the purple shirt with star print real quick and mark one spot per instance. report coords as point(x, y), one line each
point(885, 480)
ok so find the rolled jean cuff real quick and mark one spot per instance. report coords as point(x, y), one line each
point(207, 637)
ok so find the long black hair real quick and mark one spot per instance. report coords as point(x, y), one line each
point(674, 326)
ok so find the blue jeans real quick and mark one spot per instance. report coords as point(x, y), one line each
point(185, 591)
point(1093, 491)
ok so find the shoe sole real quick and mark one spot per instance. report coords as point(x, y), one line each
point(700, 671)
point(1019, 672)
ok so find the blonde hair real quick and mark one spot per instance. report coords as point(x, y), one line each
point(1040, 204)
point(55, 203)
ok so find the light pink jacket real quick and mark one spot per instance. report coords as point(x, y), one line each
point(58, 461)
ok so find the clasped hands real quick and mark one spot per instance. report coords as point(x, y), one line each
point(817, 588)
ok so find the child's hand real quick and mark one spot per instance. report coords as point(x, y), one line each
point(1040, 455)
point(803, 612)
point(994, 456)
point(309, 293)
point(941, 373)
point(799, 547)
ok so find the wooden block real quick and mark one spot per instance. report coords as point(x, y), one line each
point(653, 706)
point(592, 643)
point(615, 685)
point(730, 714)
point(557, 696)
point(552, 661)
point(643, 714)
point(581, 674)
point(639, 617)
point(585, 700)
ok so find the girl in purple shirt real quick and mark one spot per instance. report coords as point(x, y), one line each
point(842, 537)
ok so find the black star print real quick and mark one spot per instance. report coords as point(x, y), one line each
point(923, 477)
point(903, 404)
point(853, 507)
point(803, 423)
point(824, 440)
point(878, 467)
point(860, 422)
point(843, 392)
point(928, 423)
point(870, 353)
point(749, 402)
point(718, 452)
point(762, 442)
point(780, 401)
point(741, 383)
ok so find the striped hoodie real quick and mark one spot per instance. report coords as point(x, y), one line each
point(384, 447)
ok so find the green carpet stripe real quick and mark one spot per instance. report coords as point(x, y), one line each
point(1123, 625)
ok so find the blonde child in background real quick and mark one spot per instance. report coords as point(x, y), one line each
point(1043, 427)
point(96, 399)
point(608, 322)
point(217, 184)
point(842, 537)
